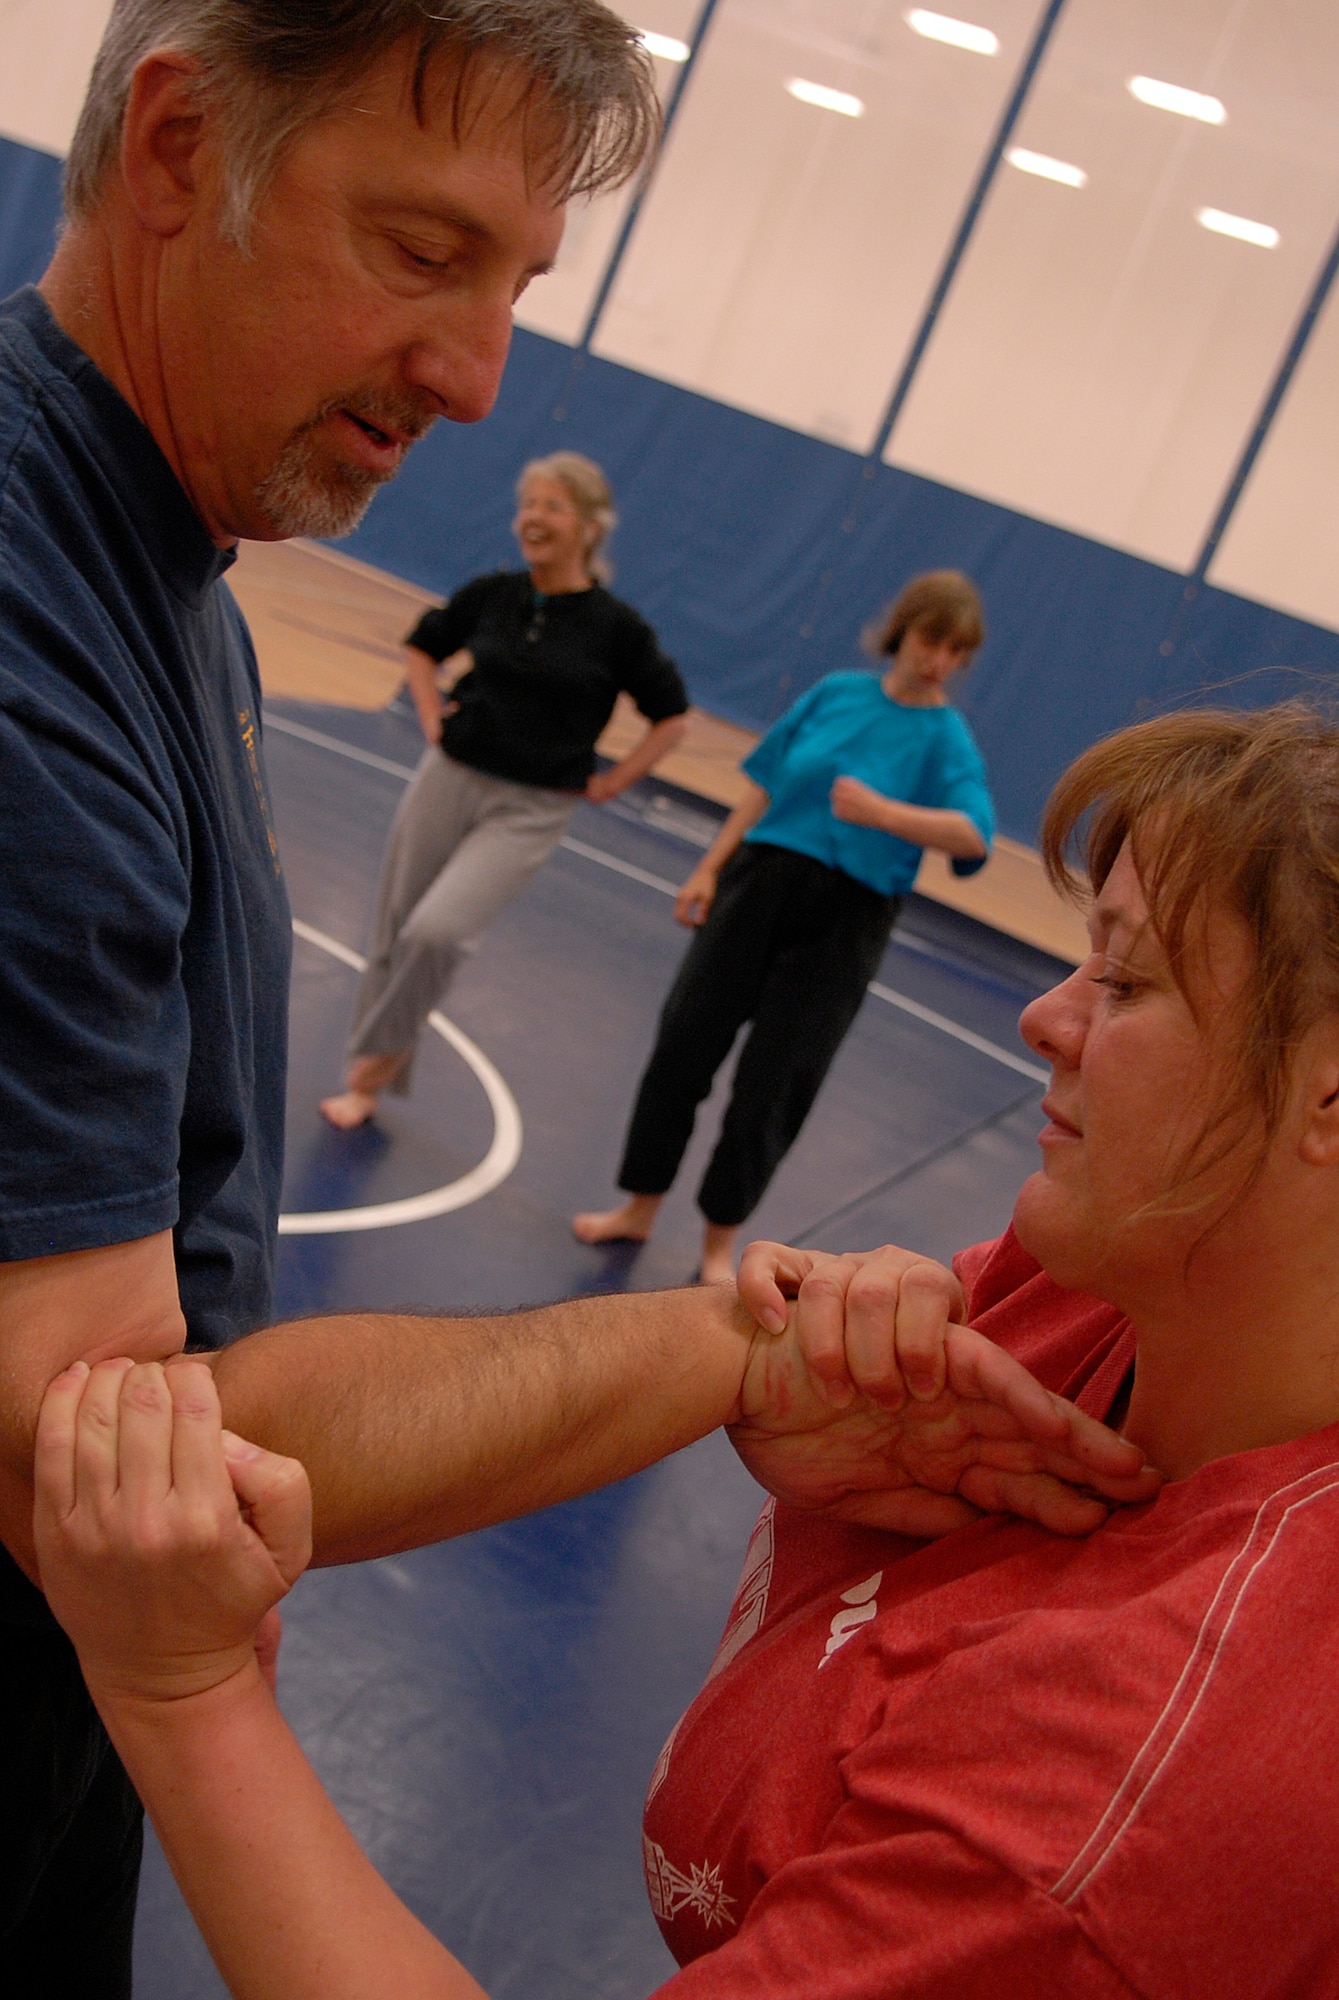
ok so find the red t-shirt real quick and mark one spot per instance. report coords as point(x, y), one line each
point(1009, 1763)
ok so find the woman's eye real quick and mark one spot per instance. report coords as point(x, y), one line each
point(1118, 988)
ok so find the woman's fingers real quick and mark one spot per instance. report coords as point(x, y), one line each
point(910, 1510)
point(57, 1422)
point(918, 1299)
point(97, 1434)
point(979, 1371)
point(198, 1471)
point(822, 1327)
point(276, 1494)
point(872, 1303)
point(1034, 1496)
point(769, 1274)
point(144, 1439)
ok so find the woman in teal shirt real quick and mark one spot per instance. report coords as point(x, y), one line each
point(793, 904)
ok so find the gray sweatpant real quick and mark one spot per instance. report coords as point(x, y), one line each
point(462, 847)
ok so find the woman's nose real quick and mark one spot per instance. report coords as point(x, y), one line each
point(1054, 1024)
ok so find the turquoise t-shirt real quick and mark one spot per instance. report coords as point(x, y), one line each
point(846, 727)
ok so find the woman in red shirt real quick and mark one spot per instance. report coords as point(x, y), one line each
point(999, 1760)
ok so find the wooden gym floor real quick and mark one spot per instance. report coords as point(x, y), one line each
point(328, 629)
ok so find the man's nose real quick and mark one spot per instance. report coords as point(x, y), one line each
point(461, 365)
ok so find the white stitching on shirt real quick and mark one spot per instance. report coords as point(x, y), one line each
point(1154, 1752)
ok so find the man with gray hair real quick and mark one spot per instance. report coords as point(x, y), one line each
point(296, 230)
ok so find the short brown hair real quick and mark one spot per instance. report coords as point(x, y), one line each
point(275, 66)
point(1223, 811)
point(943, 604)
point(591, 495)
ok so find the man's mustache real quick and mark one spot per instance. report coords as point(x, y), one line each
point(400, 417)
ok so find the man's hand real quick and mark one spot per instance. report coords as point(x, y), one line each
point(874, 1405)
point(162, 1540)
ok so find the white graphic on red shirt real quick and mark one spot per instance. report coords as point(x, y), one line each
point(750, 1605)
point(746, 1617)
point(860, 1606)
point(670, 1890)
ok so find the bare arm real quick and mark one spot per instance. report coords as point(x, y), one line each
point(659, 740)
point(412, 1429)
point(160, 1581)
point(924, 826)
point(698, 893)
point(426, 680)
point(87, 1304)
point(416, 1429)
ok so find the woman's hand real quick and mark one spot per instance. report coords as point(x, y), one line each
point(162, 1540)
point(696, 897)
point(872, 1322)
point(897, 1417)
point(430, 721)
point(858, 804)
point(601, 786)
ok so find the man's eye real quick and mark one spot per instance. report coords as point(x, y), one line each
point(419, 261)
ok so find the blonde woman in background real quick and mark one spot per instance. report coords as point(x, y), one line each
point(535, 660)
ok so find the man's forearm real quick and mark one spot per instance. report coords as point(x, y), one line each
point(416, 1429)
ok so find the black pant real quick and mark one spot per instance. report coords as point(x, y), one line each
point(70, 1832)
point(791, 945)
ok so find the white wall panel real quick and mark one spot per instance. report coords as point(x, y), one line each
point(785, 255)
point(560, 303)
point(1282, 544)
point(1102, 358)
point(46, 52)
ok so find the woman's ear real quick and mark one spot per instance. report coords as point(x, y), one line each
point(1319, 1144)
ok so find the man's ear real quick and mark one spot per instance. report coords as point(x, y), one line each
point(160, 141)
point(1319, 1056)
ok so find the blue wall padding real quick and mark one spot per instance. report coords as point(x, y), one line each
point(759, 553)
point(29, 212)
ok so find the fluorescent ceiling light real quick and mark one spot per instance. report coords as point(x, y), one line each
point(959, 34)
point(664, 46)
point(1046, 167)
point(1171, 97)
point(827, 100)
point(1259, 233)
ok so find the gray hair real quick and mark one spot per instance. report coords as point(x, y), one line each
point(591, 495)
point(274, 67)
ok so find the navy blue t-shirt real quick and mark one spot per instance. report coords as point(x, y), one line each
point(144, 931)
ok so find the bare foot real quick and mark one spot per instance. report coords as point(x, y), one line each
point(718, 1255)
point(349, 1110)
point(356, 1103)
point(632, 1223)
